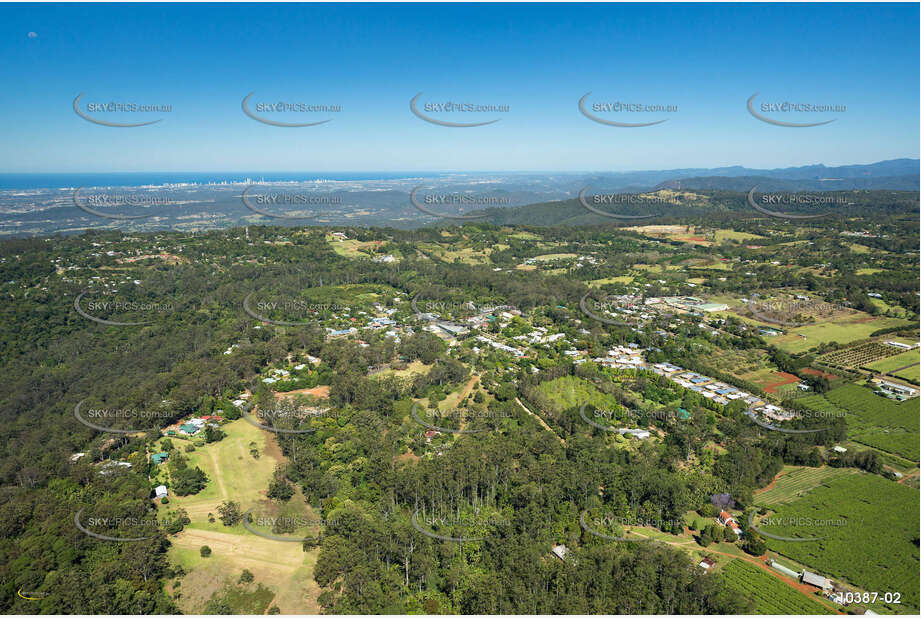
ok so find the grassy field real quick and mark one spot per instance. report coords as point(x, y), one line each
point(549, 257)
point(354, 248)
point(769, 594)
point(234, 474)
point(795, 482)
point(894, 362)
point(751, 365)
point(912, 374)
point(414, 368)
point(570, 392)
point(842, 330)
point(348, 294)
point(520, 235)
point(856, 248)
point(874, 548)
point(724, 235)
point(884, 306)
point(873, 420)
point(599, 282)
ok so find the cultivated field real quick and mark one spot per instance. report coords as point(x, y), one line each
point(769, 594)
point(874, 420)
point(874, 548)
point(795, 482)
point(865, 354)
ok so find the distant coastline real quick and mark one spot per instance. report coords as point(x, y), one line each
point(136, 179)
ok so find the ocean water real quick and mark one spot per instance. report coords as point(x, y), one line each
point(133, 179)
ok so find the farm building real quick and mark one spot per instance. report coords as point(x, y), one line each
point(813, 579)
point(782, 568)
point(158, 458)
point(893, 390)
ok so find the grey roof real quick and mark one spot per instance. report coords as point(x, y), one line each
point(813, 579)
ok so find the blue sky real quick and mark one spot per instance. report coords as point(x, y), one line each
point(537, 59)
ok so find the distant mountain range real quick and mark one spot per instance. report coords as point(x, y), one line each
point(191, 202)
point(894, 175)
